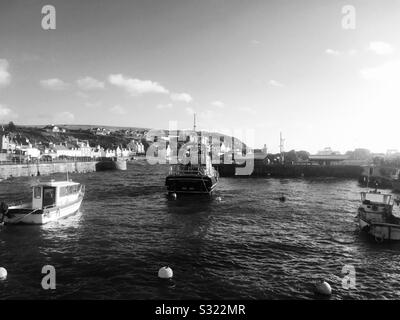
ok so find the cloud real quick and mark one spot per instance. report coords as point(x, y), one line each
point(381, 48)
point(353, 52)
point(64, 117)
point(93, 104)
point(89, 83)
point(82, 95)
point(389, 72)
point(208, 114)
point(182, 97)
point(117, 109)
point(164, 106)
point(6, 113)
point(5, 77)
point(218, 104)
point(333, 52)
point(189, 110)
point(54, 84)
point(136, 87)
point(275, 83)
point(247, 110)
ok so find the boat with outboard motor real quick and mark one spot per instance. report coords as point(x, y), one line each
point(51, 201)
point(375, 216)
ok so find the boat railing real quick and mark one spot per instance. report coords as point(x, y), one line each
point(191, 170)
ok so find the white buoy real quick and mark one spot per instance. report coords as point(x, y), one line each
point(174, 195)
point(323, 288)
point(3, 273)
point(165, 273)
point(218, 199)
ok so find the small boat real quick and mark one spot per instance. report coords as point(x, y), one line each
point(50, 201)
point(375, 216)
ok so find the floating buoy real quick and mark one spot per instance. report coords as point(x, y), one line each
point(218, 199)
point(323, 288)
point(174, 196)
point(3, 273)
point(165, 273)
point(282, 199)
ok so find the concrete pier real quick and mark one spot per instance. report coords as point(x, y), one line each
point(34, 169)
point(293, 171)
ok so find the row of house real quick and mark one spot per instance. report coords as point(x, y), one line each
point(17, 148)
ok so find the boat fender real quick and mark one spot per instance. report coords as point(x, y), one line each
point(165, 273)
point(3, 273)
point(322, 287)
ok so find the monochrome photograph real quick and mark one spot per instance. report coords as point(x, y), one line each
point(226, 151)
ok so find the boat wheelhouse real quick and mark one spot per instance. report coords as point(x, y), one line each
point(51, 201)
point(375, 216)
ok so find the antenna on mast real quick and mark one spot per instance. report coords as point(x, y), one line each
point(194, 122)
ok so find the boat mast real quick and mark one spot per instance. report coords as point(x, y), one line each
point(198, 140)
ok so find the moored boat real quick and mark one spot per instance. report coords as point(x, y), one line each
point(50, 201)
point(191, 179)
point(375, 216)
point(197, 175)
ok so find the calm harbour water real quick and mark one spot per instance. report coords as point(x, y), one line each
point(246, 246)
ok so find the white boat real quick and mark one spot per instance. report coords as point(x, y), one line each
point(375, 216)
point(50, 201)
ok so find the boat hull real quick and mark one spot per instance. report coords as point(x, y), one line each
point(191, 184)
point(30, 216)
point(379, 230)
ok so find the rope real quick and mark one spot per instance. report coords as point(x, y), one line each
point(26, 215)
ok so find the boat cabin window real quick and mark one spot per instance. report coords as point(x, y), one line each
point(68, 190)
point(49, 196)
point(37, 192)
point(376, 198)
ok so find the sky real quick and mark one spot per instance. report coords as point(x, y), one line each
point(251, 68)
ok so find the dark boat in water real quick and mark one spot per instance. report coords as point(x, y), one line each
point(193, 177)
point(200, 179)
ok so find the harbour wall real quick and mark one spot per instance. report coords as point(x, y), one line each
point(294, 171)
point(34, 169)
point(111, 165)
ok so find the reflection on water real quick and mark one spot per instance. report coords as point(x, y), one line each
point(240, 243)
